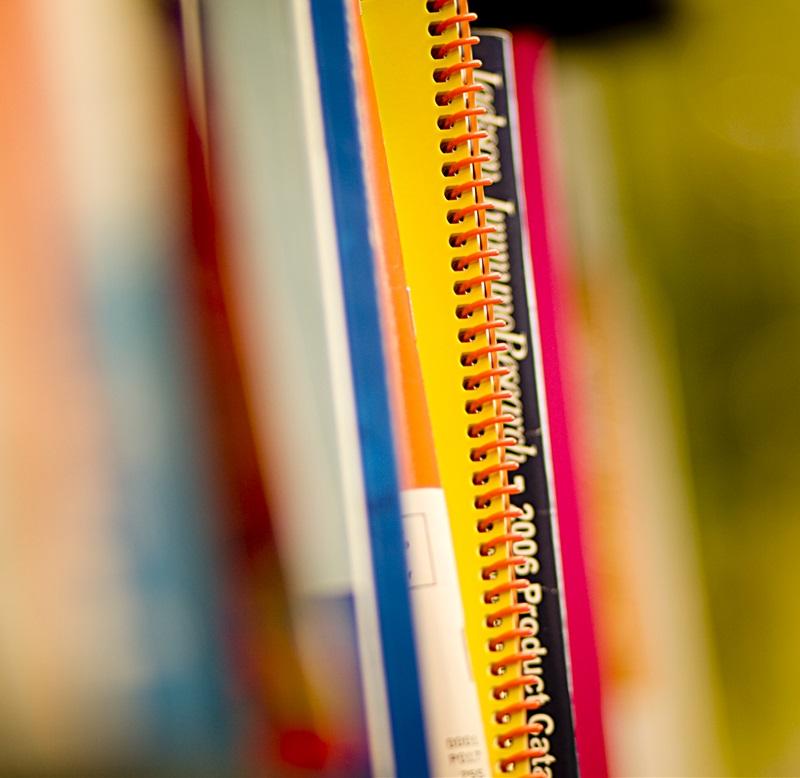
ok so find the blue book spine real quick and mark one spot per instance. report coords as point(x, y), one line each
point(338, 87)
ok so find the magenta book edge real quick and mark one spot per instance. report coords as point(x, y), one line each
point(555, 320)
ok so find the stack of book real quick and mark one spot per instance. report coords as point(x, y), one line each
point(287, 472)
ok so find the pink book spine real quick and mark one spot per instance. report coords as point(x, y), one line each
point(556, 317)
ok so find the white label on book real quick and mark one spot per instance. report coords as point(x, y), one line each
point(419, 554)
point(456, 740)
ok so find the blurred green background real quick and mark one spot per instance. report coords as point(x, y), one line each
point(697, 121)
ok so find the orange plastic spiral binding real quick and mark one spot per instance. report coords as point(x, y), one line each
point(449, 145)
point(473, 281)
point(462, 263)
point(477, 405)
point(501, 692)
point(496, 619)
point(481, 477)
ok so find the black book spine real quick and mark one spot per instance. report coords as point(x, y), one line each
point(552, 734)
